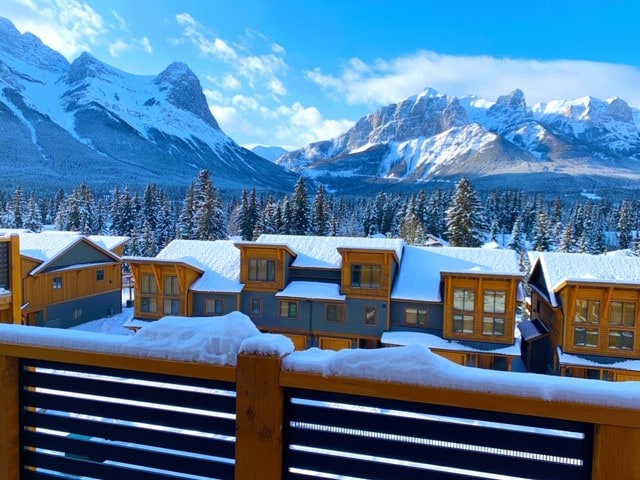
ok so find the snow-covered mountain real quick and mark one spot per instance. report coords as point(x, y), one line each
point(86, 121)
point(271, 153)
point(430, 138)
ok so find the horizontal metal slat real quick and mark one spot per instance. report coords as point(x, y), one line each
point(129, 413)
point(83, 448)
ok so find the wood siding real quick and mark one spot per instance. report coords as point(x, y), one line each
point(385, 260)
point(39, 291)
point(260, 252)
point(605, 294)
point(186, 276)
point(480, 284)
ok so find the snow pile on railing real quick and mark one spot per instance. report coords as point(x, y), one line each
point(211, 340)
point(417, 365)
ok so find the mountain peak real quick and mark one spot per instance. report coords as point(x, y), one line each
point(184, 91)
point(29, 49)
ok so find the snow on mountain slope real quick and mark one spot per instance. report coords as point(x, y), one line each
point(88, 121)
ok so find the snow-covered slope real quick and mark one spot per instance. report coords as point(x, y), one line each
point(432, 137)
point(87, 121)
point(270, 153)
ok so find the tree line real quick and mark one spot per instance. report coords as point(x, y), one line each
point(462, 216)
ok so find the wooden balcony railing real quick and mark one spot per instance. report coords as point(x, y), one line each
point(80, 413)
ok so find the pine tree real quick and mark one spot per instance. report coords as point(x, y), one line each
point(320, 224)
point(33, 218)
point(18, 208)
point(209, 217)
point(186, 220)
point(465, 221)
point(517, 242)
point(625, 226)
point(542, 241)
point(300, 221)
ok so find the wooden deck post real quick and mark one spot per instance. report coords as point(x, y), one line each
point(616, 452)
point(9, 423)
point(259, 417)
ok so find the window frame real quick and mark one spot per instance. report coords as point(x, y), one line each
point(171, 286)
point(289, 305)
point(586, 323)
point(57, 282)
point(148, 284)
point(417, 322)
point(261, 270)
point(99, 274)
point(463, 314)
point(367, 316)
point(216, 302)
point(366, 275)
point(172, 302)
point(148, 300)
point(252, 302)
point(340, 313)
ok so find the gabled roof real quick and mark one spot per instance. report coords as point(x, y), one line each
point(46, 247)
point(324, 252)
point(109, 242)
point(420, 272)
point(219, 261)
point(559, 268)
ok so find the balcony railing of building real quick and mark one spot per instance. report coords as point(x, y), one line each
point(73, 412)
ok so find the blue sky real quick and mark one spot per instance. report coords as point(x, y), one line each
point(292, 72)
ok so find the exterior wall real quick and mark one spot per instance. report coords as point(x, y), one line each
point(552, 318)
point(383, 259)
point(480, 284)
point(269, 319)
point(10, 280)
point(229, 301)
point(605, 295)
point(80, 253)
point(355, 325)
point(159, 271)
point(434, 324)
point(314, 275)
point(72, 313)
point(279, 255)
point(76, 284)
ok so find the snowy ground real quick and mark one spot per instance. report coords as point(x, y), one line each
point(112, 325)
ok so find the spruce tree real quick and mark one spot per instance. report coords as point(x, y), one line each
point(465, 221)
point(209, 217)
point(320, 224)
point(300, 221)
point(33, 218)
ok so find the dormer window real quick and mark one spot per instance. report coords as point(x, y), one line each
point(366, 276)
point(262, 270)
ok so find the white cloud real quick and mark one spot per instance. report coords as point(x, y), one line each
point(117, 47)
point(121, 21)
point(245, 103)
point(146, 45)
point(68, 26)
point(390, 81)
point(259, 71)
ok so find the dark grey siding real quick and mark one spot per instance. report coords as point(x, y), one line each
point(355, 322)
point(270, 317)
point(81, 253)
point(435, 313)
point(230, 302)
point(70, 314)
point(319, 275)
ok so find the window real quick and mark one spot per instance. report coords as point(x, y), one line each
point(623, 314)
point(148, 284)
point(622, 320)
point(57, 283)
point(213, 306)
point(288, 309)
point(463, 303)
point(370, 314)
point(171, 285)
point(584, 337)
point(415, 316)
point(148, 304)
point(494, 310)
point(262, 270)
point(256, 307)
point(99, 274)
point(334, 312)
point(587, 311)
point(493, 326)
point(366, 276)
point(172, 306)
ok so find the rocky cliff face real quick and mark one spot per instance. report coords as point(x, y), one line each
point(434, 138)
point(88, 122)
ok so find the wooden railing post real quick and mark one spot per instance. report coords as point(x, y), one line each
point(616, 452)
point(259, 417)
point(9, 422)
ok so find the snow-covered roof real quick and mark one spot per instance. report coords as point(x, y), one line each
point(419, 274)
point(312, 291)
point(566, 359)
point(14, 231)
point(219, 261)
point(434, 342)
point(322, 252)
point(108, 242)
point(559, 268)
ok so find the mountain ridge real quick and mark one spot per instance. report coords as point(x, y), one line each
point(85, 121)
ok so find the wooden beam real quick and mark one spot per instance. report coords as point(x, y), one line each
point(616, 451)
point(16, 279)
point(9, 422)
point(259, 417)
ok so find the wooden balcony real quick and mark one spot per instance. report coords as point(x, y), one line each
point(77, 412)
